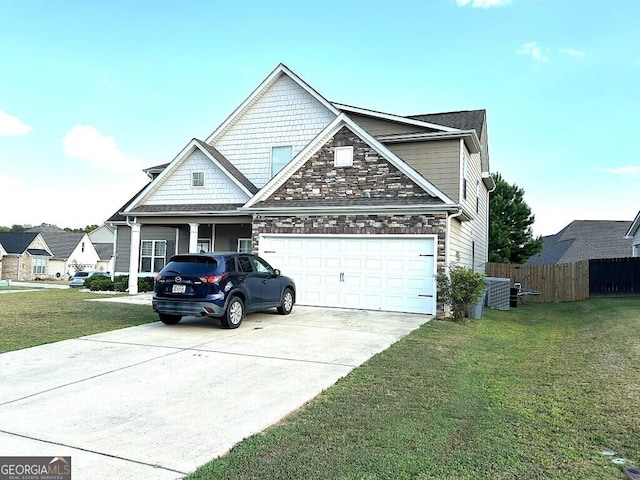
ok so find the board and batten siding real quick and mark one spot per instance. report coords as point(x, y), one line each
point(436, 160)
point(177, 188)
point(285, 115)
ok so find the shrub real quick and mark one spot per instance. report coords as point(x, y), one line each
point(145, 284)
point(461, 289)
point(121, 283)
point(99, 283)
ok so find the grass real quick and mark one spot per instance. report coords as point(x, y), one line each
point(44, 316)
point(536, 392)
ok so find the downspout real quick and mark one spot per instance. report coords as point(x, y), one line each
point(447, 247)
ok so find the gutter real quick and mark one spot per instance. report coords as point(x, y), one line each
point(447, 247)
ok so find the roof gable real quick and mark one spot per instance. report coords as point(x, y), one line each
point(633, 229)
point(408, 185)
point(62, 244)
point(223, 182)
point(17, 243)
point(266, 84)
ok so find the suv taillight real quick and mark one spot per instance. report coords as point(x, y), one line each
point(214, 278)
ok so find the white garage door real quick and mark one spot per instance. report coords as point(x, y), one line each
point(367, 272)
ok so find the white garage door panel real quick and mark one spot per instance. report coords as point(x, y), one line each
point(384, 273)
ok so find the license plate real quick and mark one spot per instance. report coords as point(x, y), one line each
point(178, 289)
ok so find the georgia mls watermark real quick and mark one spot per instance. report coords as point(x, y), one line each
point(35, 468)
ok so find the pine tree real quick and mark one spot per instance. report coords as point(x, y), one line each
point(510, 236)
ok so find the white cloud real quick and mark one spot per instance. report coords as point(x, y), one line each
point(11, 125)
point(629, 170)
point(574, 53)
point(533, 50)
point(86, 143)
point(483, 3)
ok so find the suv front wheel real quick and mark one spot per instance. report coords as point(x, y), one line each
point(286, 302)
point(232, 317)
point(169, 319)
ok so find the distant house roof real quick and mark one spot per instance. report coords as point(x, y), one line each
point(62, 244)
point(633, 228)
point(585, 240)
point(17, 242)
point(104, 250)
point(38, 252)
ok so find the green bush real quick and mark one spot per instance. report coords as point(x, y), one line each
point(145, 284)
point(461, 289)
point(98, 283)
point(121, 283)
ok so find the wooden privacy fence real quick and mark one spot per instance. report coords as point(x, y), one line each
point(566, 282)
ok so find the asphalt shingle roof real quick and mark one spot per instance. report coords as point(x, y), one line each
point(16, 242)
point(585, 240)
point(463, 120)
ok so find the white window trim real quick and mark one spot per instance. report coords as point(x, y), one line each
point(240, 240)
point(343, 156)
point(193, 179)
point(153, 255)
point(38, 266)
point(273, 174)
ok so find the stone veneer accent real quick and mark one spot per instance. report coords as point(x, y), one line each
point(371, 175)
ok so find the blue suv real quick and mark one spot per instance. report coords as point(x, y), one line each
point(220, 285)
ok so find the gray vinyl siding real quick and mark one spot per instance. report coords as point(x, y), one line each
point(147, 232)
point(436, 160)
point(227, 236)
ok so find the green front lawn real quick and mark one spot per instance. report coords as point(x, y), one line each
point(44, 316)
point(537, 392)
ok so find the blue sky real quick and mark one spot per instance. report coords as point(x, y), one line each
point(92, 92)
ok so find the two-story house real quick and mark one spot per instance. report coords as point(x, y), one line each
point(360, 208)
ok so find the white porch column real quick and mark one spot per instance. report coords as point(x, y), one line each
point(193, 237)
point(213, 237)
point(134, 258)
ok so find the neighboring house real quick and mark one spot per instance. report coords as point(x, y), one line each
point(25, 256)
point(633, 234)
point(360, 207)
point(103, 239)
point(72, 251)
point(585, 240)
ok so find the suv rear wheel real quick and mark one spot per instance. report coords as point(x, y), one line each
point(232, 317)
point(169, 319)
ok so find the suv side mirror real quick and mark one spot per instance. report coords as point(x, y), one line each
point(276, 273)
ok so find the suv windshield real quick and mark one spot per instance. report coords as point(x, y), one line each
point(191, 266)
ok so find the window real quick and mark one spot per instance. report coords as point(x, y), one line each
point(261, 267)
point(478, 196)
point(82, 247)
point(465, 166)
point(38, 265)
point(244, 265)
point(343, 156)
point(203, 245)
point(280, 156)
point(197, 179)
point(153, 254)
point(244, 245)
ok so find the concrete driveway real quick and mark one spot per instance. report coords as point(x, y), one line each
point(157, 401)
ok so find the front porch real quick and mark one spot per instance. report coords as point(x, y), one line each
point(144, 245)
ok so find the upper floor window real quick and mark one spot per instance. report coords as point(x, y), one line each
point(280, 156)
point(343, 156)
point(197, 179)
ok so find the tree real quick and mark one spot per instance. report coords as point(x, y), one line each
point(510, 236)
